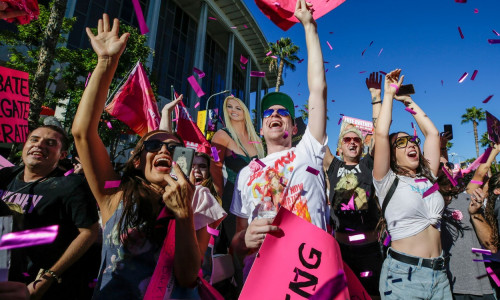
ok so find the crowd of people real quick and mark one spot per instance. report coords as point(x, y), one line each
point(159, 231)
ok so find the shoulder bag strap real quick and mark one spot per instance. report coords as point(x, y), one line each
point(389, 195)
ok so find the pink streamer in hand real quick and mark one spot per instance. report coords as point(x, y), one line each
point(28, 238)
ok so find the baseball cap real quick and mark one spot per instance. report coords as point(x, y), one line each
point(278, 98)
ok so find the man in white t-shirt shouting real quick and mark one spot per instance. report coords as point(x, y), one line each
point(290, 177)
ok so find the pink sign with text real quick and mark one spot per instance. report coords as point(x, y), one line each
point(293, 265)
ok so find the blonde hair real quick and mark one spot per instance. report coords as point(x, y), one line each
point(252, 135)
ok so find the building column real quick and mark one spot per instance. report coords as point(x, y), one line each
point(257, 104)
point(230, 62)
point(199, 48)
point(153, 17)
point(246, 92)
point(70, 9)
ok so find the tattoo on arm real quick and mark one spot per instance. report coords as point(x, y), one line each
point(374, 121)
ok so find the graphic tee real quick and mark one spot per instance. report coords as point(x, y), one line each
point(286, 180)
point(352, 195)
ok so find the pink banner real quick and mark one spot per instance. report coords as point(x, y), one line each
point(295, 263)
point(480, 160)
point(140, 17)
point(196, 87)
point(493, 125)
point(5, 163)
point(14, 107)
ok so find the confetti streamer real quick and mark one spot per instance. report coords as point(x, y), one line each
point(243, 59)
point(362, 72)
point(260, 162)
point(421, 180)
point(382, 72)
point(109, 124)
point(487, 99)
point(140, 17)
point(363, 53)
point(312, 170)
point(473, 75)
point(269, 53)
point(233, 27)
point(257, 74)
point(442, 83)
point(326, 70)
point(450, 178)
point(460, 31)
point(481, 260)
point(175, 120)
point(242, 67)
point(495, 32)
point(69, 172)
point(212, 231)
point(491, 41)
point(329, 46)
point(462, 78)
point(215, 154)
point(212, 18)
point(357, 237)
point(337, 66)
point(196, 87)
point(387, 240)
point(493, 275)
point(481, 251)
point(461, 1)
point(111, 184)
point(476, 10)
point(88, 77)
point(333, 100)
point(411, 111)
point(275, 57)
point(366, 274)
point(301, 60)
point(431, 190)
point(285, 135)
point(380, 51)
point(30, 237)
point(199, 72)
point(349, 229)
point(197, 104)
point(245, 26)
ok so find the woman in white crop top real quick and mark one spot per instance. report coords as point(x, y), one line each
point(414, 266)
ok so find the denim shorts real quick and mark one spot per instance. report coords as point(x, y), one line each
point(399, 280)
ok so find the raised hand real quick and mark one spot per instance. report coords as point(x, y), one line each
point(106, 43)
point(256, 232)
point(169, 107)
point(393, 82)
point(304, 11)
point(374, 82)
point(476, 201)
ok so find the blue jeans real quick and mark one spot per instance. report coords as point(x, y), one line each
point(400, 280)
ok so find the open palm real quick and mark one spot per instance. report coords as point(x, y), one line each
point(106, 43)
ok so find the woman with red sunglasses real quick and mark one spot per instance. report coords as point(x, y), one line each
point(415, 266)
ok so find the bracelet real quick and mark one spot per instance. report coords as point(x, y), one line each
point(51, 274)
point(376, 102)
point(395, 86)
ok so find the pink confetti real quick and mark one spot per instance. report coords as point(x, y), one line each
point(493, 275)
point(380, 51)
point(442, 83)
point(301, 60)
point(243, 59)
point(421, 180)
point(491, 41)
point(273, 56)
point(326, 70)
point(462, 78)
point(411, 111)
point(109, 124)
point(337, 66)
point(473, 75)
point(450, 177)
point(196, 87)
point(212, 231)
point(363, 53)
point(495, 32)
point(481, 260)
point(329, 46)
point(330, 32)
point(482, 251)
point(260, 162)
point(175, 120)
point(349, 229)
point(111, 184)
point(69, 172)
point(140, 17)
point(242, 67)
point(215, 154)
point(387, 240)
point(88, 77)
point(197, 104)
point(233, 27)
point(212, 18)
point(269, 53)
point(460, 31)
point(357, 237)
point(245, 26)
point(487, 99)
point(30, 237)
point(199, 72)
point(257, 74)
point(432, 189)
point(285, 135)
point(362, 72)
point(366, 274)
point(333, 100)
point(461, 1)
point(312, 170)
point(476, 10)
point(382, 72)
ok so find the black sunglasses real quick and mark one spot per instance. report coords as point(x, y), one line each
point(281, 111)
point(450, 165)
point(402, 142)
point(155, 145)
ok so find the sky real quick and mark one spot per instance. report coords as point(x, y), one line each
point(419, 37)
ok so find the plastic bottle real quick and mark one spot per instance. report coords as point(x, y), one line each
point(267, 209)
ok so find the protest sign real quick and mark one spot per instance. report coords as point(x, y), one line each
point(295, 263)
point(493, 125)
point(14, 105)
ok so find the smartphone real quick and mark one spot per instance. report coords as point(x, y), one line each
point(448, 128)
point(184, 158)
point(406, 89)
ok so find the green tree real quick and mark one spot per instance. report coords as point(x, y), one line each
point(474, 115)
point(449, 145)
point(283, 55)
point(485, 140)
point(70, 68)
point(304, 113)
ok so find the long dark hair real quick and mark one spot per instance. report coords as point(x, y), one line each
point(138, 195)
point(489, 212)
point(423, 168)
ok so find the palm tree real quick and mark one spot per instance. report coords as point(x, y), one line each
point(282, 56)
point(474, 115)
point(485, 140)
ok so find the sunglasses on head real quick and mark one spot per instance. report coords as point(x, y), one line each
point(450, 165)
point(348, 139)
point(281, 111)
point(155, 145)
point(402, 142)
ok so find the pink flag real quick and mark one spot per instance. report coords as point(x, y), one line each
point(243, 59)
point(480, 160)
point(281, 13)
point(134, 104)
point(189, 131)
point(28, 6)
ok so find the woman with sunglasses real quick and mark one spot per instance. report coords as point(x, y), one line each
point(132, 236)
point(237, 144)
point(414, 266)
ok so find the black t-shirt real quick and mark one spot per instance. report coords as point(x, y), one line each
point(352, 183)
point(57, 200)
